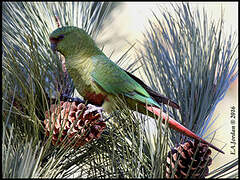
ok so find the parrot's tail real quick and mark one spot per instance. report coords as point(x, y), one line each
point(178, 127)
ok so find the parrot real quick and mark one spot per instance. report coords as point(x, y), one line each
point(102, 82)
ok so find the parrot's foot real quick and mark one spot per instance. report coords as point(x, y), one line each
point(92, 108)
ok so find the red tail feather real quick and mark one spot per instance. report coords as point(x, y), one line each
point(178, 127)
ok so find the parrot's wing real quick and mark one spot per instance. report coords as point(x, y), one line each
point(159, 98)
point(115, 80)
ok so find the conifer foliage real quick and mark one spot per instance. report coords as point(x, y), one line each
point(45, 135)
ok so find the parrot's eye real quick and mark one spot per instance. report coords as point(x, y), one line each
point(60, 37)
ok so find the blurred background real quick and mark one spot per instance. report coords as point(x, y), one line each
point(129, 21)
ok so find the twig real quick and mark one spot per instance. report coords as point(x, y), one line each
point(58, 22)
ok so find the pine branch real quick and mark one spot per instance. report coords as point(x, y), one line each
point(32, 74)
point(190, 63)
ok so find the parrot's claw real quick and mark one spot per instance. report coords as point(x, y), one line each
point(92, 108)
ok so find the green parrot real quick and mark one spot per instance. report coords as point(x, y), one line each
point(102, 82)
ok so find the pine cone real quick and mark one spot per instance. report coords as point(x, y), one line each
point(68, 119)
point(184, 155)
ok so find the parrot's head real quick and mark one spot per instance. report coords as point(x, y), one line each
point(70, 41)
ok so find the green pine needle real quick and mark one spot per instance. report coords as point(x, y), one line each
point(33, 79)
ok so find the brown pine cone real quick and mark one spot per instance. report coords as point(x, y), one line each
point(76, 129)
point(184, 155)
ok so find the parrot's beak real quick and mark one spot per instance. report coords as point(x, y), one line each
point(54, 41)
point(53, 47)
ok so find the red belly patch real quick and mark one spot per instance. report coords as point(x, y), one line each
point(96, 99)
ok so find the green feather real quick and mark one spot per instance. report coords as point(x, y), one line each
point(116, 81)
